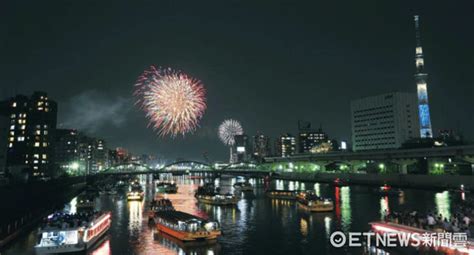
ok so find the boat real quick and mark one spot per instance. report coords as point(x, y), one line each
point(281, 194)
point(166, 187)
point(159, 204)
point(310, 201)
point(85, 201)
point(183, 226)
point(210, 195)
point(135, 192)
point(64, 233)
point(338, 182)
point(243, 186)
point(415, 238)
point(387, 190)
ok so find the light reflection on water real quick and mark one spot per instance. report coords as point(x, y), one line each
point(256, 225)
point(443, 203)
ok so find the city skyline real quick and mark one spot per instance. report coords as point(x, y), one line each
point(258, 71)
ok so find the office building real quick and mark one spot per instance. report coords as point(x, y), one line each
point(66, 152)
point(285, 145)
point(260, 147)
point(308, 139)
point(4, 128)
point(384, 121)
point(242, 148)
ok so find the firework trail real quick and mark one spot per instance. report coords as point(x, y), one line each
point(173, 102)
point(228, 129)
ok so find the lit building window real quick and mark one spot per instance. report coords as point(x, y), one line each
point(12, 127)
point(45, 132)
point(21, 138)
point(45, 156)
point(419, 50)
point(45, 144)
point(10, 145)
point(37, 144)
point(23, 127)
point(38, 132)
point(13, 116)
point(36, 156)
point(12, 132)
point(35, 161)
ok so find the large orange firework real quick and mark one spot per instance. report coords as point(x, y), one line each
point(173, 102)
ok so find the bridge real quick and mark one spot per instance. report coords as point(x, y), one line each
point(437, 159)
point(182, 166)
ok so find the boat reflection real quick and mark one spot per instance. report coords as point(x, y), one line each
point(180, 247)
point(103, 248)
point(135, 218)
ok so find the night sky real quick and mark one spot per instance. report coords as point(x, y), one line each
point(267, 64)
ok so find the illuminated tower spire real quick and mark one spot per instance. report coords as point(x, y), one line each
point(422, 87)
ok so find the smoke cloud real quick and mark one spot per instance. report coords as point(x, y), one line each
point(90, 111)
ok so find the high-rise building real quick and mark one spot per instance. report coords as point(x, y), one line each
point(242, 148)
point(66, 152)
point(310, 138)
point(31, 134)
point(384, 121)
point(4, 127)
point(93, 154)
point(422, 87)
point(286, 145)
point(261, 147)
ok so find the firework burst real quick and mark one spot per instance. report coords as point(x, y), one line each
point(228, 129)
point(173, 102)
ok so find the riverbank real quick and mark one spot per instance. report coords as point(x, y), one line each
point(26, 204)
point(396, 180)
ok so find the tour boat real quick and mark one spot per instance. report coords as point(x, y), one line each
point(466, 247)
point(136, 192)
point(243, 186)
point(310, 201)
point(207, 194)
point(281, 194)
point(85, 202)
point(64, 233)
point(183, 226)
point(338, 182)
point(166, 187)
point(387, 190)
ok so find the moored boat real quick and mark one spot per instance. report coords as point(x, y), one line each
point(210, 195)
point(310, 201)
point(387, 190)
point(414, 237)
point(64, 233)
point(166, 187)
point(243, 186)
point(135, 192)
point(281, 194)
point(85, 201)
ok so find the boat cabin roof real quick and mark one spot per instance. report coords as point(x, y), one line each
point(177, 216)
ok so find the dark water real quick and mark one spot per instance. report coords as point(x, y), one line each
point(257, 225)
